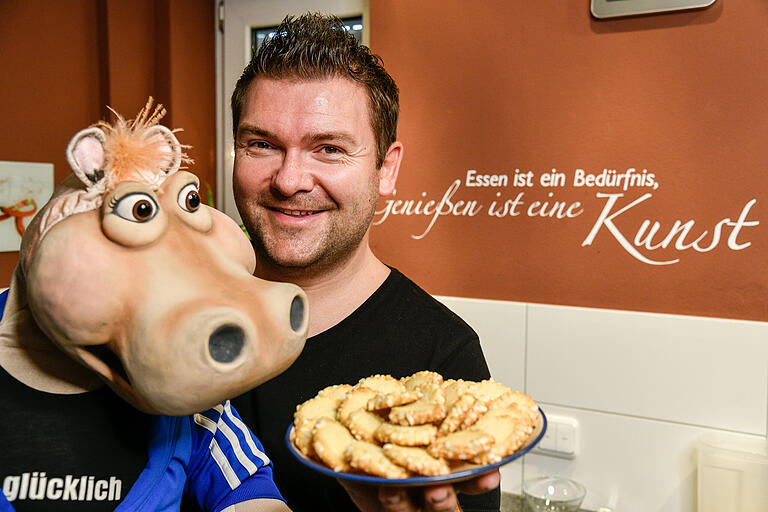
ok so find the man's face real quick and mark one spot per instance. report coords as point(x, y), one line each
point(305, 178)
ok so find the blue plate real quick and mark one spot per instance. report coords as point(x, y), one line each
point(462, 471)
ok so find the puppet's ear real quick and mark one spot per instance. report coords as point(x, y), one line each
point(85, 154)
point(171, 144)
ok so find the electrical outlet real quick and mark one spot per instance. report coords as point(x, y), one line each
point(561, 437)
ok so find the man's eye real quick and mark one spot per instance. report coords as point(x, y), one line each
point(331, 150)
point(259, 144)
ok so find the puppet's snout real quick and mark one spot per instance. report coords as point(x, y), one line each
point(227, 341)
point(229, 336)
point(219, 347)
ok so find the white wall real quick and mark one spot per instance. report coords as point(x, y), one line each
point(643, 388)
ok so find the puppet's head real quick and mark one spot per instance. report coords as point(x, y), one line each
point(129, 273)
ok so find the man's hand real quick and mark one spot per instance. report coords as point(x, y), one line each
point(437, 498)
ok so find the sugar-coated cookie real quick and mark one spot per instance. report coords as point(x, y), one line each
point(461, 445)
point(406, 435)
point(369, 458)
point(336, 391)
point(315, 408)
point(508, 434)
point(417, 460)
point(389, 400)
point(354, 400)
point(422, 378)
point(330, 440)
point(363, 424)
point(427, 409)
point(382, 384)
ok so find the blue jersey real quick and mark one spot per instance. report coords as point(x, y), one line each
point(212, 456)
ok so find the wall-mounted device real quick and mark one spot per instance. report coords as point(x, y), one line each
point(561, 438)
point(615, 8)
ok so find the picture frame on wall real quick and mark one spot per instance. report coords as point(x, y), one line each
point(24, 187)
point(615, 8)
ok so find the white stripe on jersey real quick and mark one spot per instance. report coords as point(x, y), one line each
point(235, 443)
point(206, 422)
point(217, 453)
point(246, 433)
point(223, 463)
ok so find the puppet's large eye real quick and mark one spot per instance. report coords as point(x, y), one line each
point(136, 207)
point(189, 198)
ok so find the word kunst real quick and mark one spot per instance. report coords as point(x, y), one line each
point(678, 233)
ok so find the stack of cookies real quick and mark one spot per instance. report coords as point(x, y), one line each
point(419, 425)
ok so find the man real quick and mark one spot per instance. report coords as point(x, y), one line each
point(315, 119)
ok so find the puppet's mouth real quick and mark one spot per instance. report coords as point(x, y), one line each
point(105, 361)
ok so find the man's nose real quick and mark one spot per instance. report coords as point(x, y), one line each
point(293, 175)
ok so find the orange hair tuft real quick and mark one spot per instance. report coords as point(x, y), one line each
point(134, 152)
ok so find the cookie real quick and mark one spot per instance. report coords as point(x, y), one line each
point(508, 434)
point(381, 384)
point(301, 436)
point(456, 413)
point(512, 410)
point(363, 424)
point(488, 389)
point(389, 400)
point(336, 392)
point(475, 412)
point(330, 440)
point(354, 400)
point(417, 460)
point(315, 408)
point(464, 412)
point(422, 378)
point(454, 389)
point(369, 458)
point(461, 445)
point(427, 409)
point(418, 435)
point(521, 418)
point(521, 401)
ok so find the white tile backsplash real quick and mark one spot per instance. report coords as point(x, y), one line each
point(700, 371)
point(643, 388)
point(628, 464)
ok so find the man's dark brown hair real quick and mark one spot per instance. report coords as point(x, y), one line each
point(315, 46)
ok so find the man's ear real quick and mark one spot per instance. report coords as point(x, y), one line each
point(389, 169)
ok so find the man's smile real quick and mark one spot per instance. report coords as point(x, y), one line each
point(296, 213)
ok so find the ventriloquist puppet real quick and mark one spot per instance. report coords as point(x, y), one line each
point(126, 278)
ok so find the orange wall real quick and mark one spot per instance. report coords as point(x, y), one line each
point(62, 62)
point(496, 86)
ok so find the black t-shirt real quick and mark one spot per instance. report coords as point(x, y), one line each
point(399, 330)
point(68, 452)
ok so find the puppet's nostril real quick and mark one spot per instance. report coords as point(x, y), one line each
point(226, 343)
point(297, 313)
